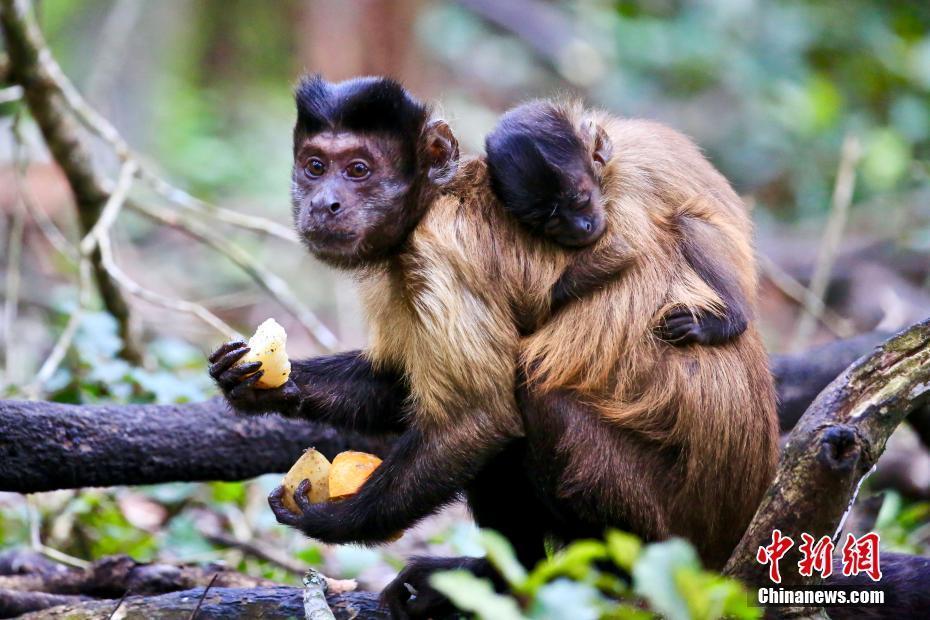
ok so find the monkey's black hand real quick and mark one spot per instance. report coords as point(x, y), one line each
point(322, 521)
point(338, 522)
point(238, 385)
point(680, 327)
point(410, 595)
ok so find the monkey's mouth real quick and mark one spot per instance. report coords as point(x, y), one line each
point(328, 236)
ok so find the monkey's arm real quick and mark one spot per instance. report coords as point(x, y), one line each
point(423, 472)
point(589, 271)
point(344, 390)
point(704, 249)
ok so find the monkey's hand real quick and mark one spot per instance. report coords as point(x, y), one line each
point(410, 595)
point(329, 522)
point(238, 383)
point(680, 327)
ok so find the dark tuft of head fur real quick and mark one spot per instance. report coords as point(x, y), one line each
point(534, 158)
point(365, 104)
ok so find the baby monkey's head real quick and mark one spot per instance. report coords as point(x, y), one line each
point(546, 169)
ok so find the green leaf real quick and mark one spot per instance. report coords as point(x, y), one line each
point(471, 594)
point(500, 554)
point(574, 561)
point(887, 158)
point(654, 576)
point(229, 492)
point(311, 555)
point(568, 599)
point(623, 548)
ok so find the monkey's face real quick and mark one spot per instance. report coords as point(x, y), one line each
point(577, 216)
point(351, 196)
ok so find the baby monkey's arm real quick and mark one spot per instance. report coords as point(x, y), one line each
point(590, 271)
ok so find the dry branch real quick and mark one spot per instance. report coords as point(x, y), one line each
point(835, 444)
point(29, 61)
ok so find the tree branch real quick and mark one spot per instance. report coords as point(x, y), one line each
point(835, 445)
point(46, 446)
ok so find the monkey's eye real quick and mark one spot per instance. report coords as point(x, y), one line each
point(315, 167)
point(358, 170)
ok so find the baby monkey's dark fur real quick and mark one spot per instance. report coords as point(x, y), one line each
point(548, 174)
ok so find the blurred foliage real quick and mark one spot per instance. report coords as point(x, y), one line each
point(574, 583)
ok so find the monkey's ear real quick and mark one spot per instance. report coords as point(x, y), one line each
point(602, 149)
point(440, 150)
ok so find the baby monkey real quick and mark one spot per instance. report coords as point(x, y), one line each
point(549, 174)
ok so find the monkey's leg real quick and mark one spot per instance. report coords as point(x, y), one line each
point(595, 475)
point(501, 498)
point(421, 473)
point(342, 389)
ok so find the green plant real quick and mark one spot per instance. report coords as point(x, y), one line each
point(581, 582)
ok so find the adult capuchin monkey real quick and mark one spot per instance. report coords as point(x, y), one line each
point(673, 440)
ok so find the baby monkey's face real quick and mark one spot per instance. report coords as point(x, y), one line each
point(577, 217)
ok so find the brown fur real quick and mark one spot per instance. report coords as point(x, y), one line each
point(446, 311)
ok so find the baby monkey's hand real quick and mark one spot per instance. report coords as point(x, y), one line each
point(680, 327)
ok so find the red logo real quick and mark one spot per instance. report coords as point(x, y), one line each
point(860, 555)
point(774, 552)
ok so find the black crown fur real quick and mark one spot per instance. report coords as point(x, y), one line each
point(365, 104)
point(531, 153)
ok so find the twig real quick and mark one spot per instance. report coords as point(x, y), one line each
point(119, 604)
point(111, 209)
point(11, 93)
point(11, 304)
point(13, 276)
point(269, 281)
point(30, 61)
point(35, 540)
point(57, 355)
point(202, 597)
point(829, 244)
point(49, 229)
point(787, 284)
point(99, 239)
point(256, 549)
point(100, 126)
point(137, 290)
point(182, 199)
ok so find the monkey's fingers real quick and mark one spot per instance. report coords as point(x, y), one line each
point(396, 596)
point(300, 496)
point(235, 374)
point(244, 388)
point(224, 349)
point(281, 512)
point(226, 361)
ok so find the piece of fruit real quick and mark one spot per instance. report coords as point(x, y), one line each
point(267, 346)
point(349, 471)
point(311, 466)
